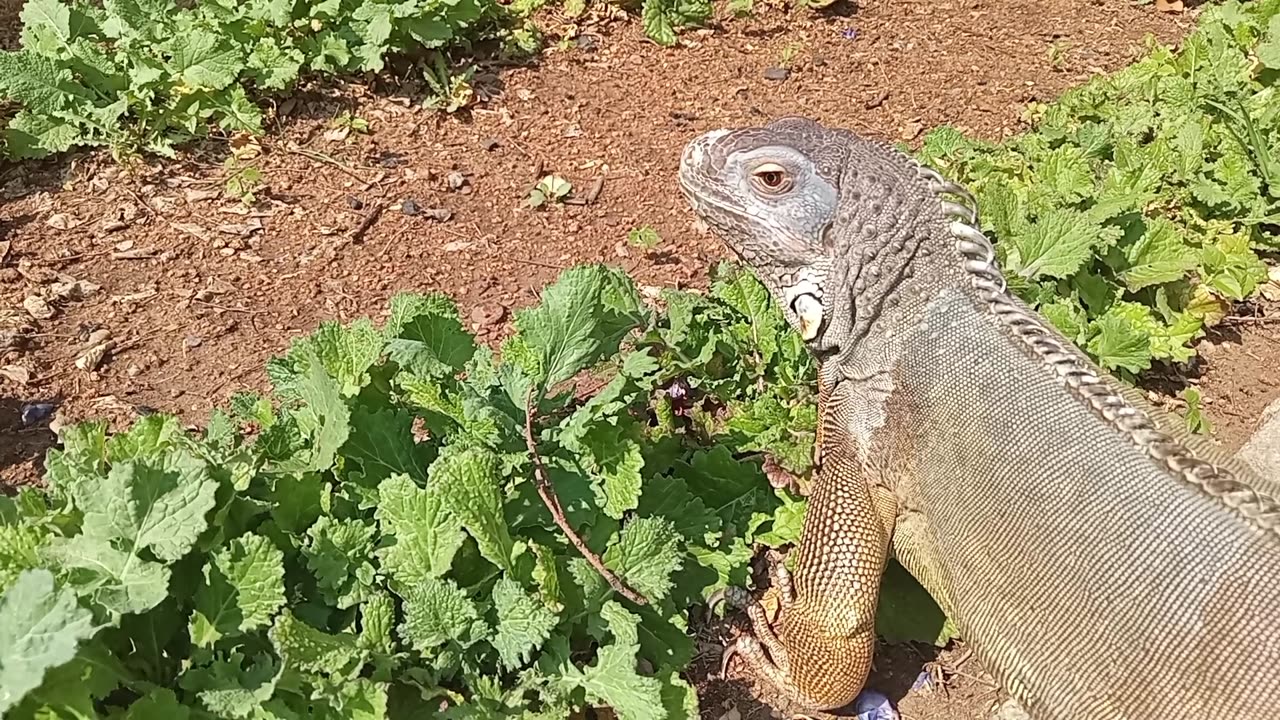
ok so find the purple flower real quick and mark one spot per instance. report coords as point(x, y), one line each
point(872, 705)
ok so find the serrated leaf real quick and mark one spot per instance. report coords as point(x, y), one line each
point(160, 507)
point(242, 590)
point(613, 680)
point(32, 135)
point(236, 112)
point(657, 26)
point(426, 335)
point(119, 581)
point(1121, 337)
point(229, 688)
point(1268, 51)
point(437, 611)
point(468, 483)
point(205, 61)
point(646, 556)
point(275, 67)
point(1054, 245)
point(337, 552)
point(787, 523)
point(1158, 256)
point(39, 83)
point(46, 25)
point(524, 623)
point(426, 534)
point(159, 704)
point(308, 649)
point(41, 628)
point(581, 319)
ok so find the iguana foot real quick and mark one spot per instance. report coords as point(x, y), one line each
point(761, 637)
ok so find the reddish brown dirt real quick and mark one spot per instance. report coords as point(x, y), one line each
point(211, 299)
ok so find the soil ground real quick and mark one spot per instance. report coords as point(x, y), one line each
point(198, 289)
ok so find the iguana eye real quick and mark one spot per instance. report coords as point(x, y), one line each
point(771, 178)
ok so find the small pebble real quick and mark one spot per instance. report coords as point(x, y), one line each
point(354, 203)
point(777, 73)
point(193, 341)
point(410, 207)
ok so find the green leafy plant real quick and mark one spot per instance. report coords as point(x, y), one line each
point(645, 238)
point(662, 18)
point(550, 189)
point(1134, 212)
point(413, 526)
point(243, 180)
point(147, 75)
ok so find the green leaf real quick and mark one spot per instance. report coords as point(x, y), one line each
point(617, 461)
point(788, 522)
point(657, 25)
point(468, 483)
point(274, 67)
point(41, 628)
point(426, 335)
point(906, 612)
point(236, 112)
point(613, 680)
point(242, 590)
point(1055, 245)
point(337, 552)
point(118, 581)
point(160, 507)
point(345, 352)
point(230, 689)
point(646, 556)
point(581, 319)
point(1159, 256)
point(159, 704)
point(436, 611)
point(39, 83)
point(205, 61)
point(425, 533)
point(381, 443)
point(1268, 51)
point(1122, 337)
point(32, 135)
point(524, 623)
point(308, 649)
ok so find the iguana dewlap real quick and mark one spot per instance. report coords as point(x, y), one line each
point(1100, 562)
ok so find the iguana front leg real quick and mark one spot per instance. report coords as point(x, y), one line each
point(820, 655)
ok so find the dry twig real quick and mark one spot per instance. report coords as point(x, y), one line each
point(549, 498)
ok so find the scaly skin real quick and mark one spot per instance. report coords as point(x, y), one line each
point(837, 580)
point(1100, 561)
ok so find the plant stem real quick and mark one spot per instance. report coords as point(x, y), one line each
point(552, 501)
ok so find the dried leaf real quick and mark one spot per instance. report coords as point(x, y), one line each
point(16, 373)
point(94, 356)
point(37, 308)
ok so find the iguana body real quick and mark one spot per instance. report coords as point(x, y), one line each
point(1100, 562)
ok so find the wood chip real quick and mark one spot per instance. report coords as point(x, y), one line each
point(134, 254)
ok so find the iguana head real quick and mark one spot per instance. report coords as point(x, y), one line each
point(823, 216)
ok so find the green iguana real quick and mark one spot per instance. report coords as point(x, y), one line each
point(1100, 561)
